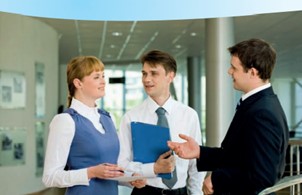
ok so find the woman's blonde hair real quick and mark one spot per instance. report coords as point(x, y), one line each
point(78, 68)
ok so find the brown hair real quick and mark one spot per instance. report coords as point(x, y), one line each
point(155, 57)
point(256, 53)
point(78, 68)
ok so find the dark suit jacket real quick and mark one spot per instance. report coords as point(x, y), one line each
point(252, 154)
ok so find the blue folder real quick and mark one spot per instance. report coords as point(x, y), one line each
point(149, 142)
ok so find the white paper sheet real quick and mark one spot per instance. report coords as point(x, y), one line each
point(128, 178)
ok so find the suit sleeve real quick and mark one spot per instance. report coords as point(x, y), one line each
point(209, 159)
point(260, 159)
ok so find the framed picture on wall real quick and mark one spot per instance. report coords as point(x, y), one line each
point(40, 89)
point(40, 144)
point(12, 146)
point(12, 89)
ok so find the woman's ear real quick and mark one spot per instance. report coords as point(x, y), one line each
point(77, 83)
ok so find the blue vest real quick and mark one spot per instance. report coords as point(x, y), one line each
point(89, 147)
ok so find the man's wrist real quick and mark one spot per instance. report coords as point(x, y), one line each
point(155, 169)
point(198, 154)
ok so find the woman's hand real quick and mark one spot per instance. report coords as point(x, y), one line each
point(105, 170)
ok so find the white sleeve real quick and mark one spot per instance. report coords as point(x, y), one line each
point(195, 179)
point(126, 155)
point(61, 133)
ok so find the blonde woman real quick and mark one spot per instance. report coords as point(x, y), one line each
point(83, 138)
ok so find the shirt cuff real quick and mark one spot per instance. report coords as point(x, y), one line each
point(82, 177)
point(148, 170)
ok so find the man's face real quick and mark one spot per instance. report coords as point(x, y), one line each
point(156, 81)
point(241, 79)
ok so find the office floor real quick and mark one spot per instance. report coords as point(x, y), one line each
point(50, 191)
point(60, 191)
point(127, 191)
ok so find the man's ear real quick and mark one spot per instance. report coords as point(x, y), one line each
point(77, 83)
point(171, 76)
point(254, 72)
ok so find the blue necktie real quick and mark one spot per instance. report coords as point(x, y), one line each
point(162, 121)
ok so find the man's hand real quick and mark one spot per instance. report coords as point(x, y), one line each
point(140, 183)
point(165, 163)
point(207, 187)
point(187, 150)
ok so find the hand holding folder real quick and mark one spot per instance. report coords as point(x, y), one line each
point(149, 142)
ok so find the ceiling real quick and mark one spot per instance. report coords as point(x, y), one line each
point(124, 42)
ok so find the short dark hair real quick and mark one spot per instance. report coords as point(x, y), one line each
point(155, 57)
point(255, 53)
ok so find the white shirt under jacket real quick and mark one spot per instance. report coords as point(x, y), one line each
point(181, 119)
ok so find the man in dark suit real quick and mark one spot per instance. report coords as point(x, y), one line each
point(252, 154)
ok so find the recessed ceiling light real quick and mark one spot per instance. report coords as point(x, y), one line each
point(178, 46)
point(193, 34)
point(117, 34)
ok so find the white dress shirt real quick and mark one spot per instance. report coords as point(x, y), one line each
point(61, 133)
point(181, 119)
point(256, 90)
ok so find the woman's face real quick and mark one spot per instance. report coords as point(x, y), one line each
point(93, 85)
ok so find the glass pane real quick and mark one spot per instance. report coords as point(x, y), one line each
point(298, 101)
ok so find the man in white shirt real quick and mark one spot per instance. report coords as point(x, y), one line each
point(158, 72)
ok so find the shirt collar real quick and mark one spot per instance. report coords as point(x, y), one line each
point(82, 108)
point(152, 105)
point(256, 90)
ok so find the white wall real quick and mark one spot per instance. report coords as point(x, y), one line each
point(282, 87)
point(63, 89)
point(23, 42)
